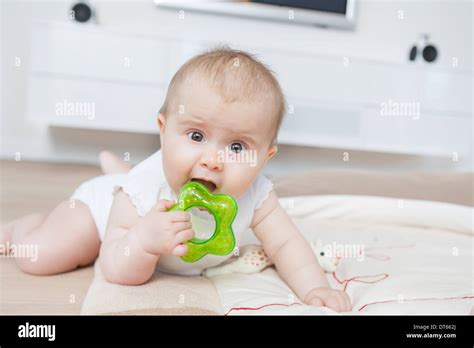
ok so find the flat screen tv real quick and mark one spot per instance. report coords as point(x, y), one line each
point(323, 13)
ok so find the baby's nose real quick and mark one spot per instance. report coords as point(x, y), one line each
point(211, 162)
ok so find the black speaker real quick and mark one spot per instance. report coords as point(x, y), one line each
point(82, 12)
point(427, 50)
point(430, 53)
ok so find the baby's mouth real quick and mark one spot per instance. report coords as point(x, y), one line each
point(208, 184)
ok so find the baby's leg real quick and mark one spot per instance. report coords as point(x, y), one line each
point(58, 242)
point(26, 222)
point(111, 164)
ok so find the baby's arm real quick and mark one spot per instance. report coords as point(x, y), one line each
point(293, 257)
point(122, 259)
point(133, 244)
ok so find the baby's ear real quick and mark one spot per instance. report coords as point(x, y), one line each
point(161, 121)
point(272, 151)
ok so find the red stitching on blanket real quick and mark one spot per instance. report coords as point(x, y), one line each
point(415, 299)
point(383, 257)
point(346, 282)
point(257, 308)
point(359, 310)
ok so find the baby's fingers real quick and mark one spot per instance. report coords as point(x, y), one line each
point(163, 205)
point(334, 303)
point(343, 300)
point(179, 216)
point(180, 250)
point(347, 303)
point(315, 301)
point(181, 226)
point(184, 236)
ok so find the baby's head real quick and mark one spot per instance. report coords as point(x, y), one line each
point(220, 121)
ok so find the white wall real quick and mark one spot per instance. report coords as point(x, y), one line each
point(380, 33)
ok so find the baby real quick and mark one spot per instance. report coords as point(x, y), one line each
point(218, 126)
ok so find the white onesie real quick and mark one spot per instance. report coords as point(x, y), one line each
point(145, 184)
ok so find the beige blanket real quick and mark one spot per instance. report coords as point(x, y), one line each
point(168, 294)
point(163, 294)
point(397, 257)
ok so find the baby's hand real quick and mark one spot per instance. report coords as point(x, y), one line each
point(334, 299)
point(163, 233)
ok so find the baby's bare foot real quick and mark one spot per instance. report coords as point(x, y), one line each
point(111, 164)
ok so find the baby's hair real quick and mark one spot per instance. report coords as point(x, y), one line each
point(235, 75)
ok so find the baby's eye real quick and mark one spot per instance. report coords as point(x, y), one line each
point(321, 253)
point(196, 136)
point(237, 147)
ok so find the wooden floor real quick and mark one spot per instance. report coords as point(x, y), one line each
point(27, 187)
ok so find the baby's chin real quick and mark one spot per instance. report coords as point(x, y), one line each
point(227, 191)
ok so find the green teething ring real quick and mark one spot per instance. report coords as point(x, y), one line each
point(222, 207)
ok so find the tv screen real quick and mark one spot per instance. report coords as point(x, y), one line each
point(332, 6)
point(323, 13)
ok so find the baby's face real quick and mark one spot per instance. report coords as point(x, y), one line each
point(222, 145)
